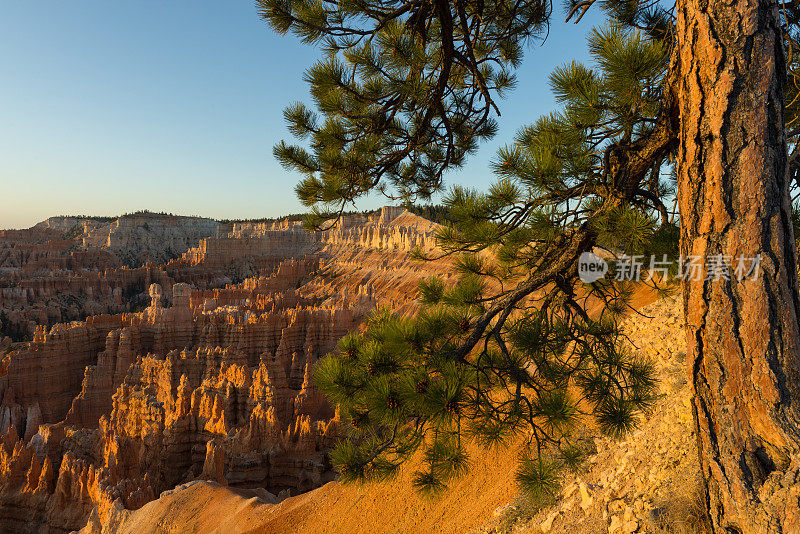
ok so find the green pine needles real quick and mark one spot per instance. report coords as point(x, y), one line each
point(519, 350)
point(405, 90)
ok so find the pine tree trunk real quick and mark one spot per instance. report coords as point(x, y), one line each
point(743, 337)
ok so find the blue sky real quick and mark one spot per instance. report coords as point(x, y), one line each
point(167, 105)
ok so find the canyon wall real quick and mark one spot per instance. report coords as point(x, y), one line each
point(211, 380)
point(67, 268)
point(136, 238)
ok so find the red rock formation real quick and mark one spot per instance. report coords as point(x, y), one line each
point(69, 268)
point(138, 237)
point(205, 382)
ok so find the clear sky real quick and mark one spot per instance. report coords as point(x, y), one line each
point(109, 107)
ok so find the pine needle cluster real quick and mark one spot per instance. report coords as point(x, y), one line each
point(405, 90)
point(519, 349)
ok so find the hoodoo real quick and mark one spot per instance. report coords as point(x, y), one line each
point(204, 383)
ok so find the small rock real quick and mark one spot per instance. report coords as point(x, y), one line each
point(628, 516)
point(616, 525)
point(616, 506)
point(586, 499)
point(569, 490)
point(547, 524)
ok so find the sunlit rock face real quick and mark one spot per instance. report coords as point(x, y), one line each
point(211, 380)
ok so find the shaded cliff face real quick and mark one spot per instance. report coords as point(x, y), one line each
point(44, 279)
point(66, 268)
point(206, 382)
point(137, 238)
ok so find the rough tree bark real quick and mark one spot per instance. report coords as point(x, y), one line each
point(743, 337)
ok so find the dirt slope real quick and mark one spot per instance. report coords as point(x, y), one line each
point(390, 507)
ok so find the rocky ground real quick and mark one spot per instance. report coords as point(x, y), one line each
point(647, 483)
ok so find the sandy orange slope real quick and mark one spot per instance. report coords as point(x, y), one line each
point(390, 507)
